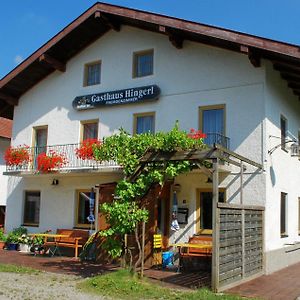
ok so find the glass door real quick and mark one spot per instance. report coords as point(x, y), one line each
point(204, 209)
point(40, 142)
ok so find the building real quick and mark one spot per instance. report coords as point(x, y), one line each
point(5, 135)
point(95, 76)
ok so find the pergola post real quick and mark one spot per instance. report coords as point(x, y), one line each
point(216, 227)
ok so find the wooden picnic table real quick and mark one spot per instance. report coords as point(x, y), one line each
point(196, 246)
point(54, 236)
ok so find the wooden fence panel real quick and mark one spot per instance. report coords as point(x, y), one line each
point(240, 243)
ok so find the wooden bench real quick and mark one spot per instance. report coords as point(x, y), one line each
point(205, 240)
point(75, 238)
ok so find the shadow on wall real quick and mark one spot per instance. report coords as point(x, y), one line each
point(14, 205)
point(245, 183)
point(272, 176)
point(178, 236)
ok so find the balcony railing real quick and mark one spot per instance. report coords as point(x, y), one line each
point(217, 138)
point(68, 151)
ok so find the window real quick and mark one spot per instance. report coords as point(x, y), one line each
point(212, 123)
point(85, 203)
point(204, 210)
point(92, 73)
point(143, 63)
point(283, 209)
point(283, 129)
point(32, 208)
point(89, 130)
point(144, 123)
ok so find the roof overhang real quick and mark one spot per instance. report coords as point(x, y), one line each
point(100, 18)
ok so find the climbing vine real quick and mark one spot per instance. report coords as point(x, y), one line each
point(126, 212)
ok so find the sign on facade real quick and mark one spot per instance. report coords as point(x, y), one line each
point(131, 95)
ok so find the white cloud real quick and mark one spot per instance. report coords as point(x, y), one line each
point(18, 59)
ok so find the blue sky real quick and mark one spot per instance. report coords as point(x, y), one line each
point(26, 25)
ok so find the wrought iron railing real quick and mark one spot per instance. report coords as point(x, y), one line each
point(217, 138)
point(68, 151)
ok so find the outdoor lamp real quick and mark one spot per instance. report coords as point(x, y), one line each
point(55, 182)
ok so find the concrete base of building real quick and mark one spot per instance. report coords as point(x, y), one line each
point(282, 258)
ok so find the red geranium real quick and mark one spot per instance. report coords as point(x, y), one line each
point(85, 151)
point(15, 156)
point(48, 162)
point(196, 134)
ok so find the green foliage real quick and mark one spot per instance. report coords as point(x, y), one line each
point(2, 236)
point(16, 234)
point(125, 213)
point(17, 269)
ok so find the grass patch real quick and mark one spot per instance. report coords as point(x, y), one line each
point(17, 269)
point(123, 285)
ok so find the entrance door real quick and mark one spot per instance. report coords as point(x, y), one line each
point(162, 222)
point(157, 202)
point(106, 192)
point(204, 210)
point(40, 142)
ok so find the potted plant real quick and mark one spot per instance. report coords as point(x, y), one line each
point(12, 241)
point(17, 156)
point(196, 134)
point(52, 160)
point(86, 149)
point(24, 243)
point(13, 237)
point(2, 239)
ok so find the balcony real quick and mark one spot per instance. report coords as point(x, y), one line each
point(72, 162)
point(217, 138)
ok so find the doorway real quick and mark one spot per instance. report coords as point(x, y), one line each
point(204, 210)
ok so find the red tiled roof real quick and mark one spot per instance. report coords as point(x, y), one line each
point(5, 128)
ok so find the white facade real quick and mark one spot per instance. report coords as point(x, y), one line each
point(4, 144)
point(195, 76)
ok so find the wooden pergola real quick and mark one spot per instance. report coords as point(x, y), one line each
point(214, 155)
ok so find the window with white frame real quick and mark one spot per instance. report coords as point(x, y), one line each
point(32, 208)
point(89, 129)
point(92, 73)
point(143, 63)
point(144, 123)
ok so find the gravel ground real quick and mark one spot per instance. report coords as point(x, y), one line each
point(41, 286)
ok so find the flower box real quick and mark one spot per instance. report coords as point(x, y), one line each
point(17, 156)
point(49, 162)
point(86, 149)
point(196, 134)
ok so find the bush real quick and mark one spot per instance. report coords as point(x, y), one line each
point(15, 235)
point(2, 236)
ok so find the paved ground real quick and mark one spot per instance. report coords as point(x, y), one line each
point(281, 285)
point(71, 266)
point(62, 265)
